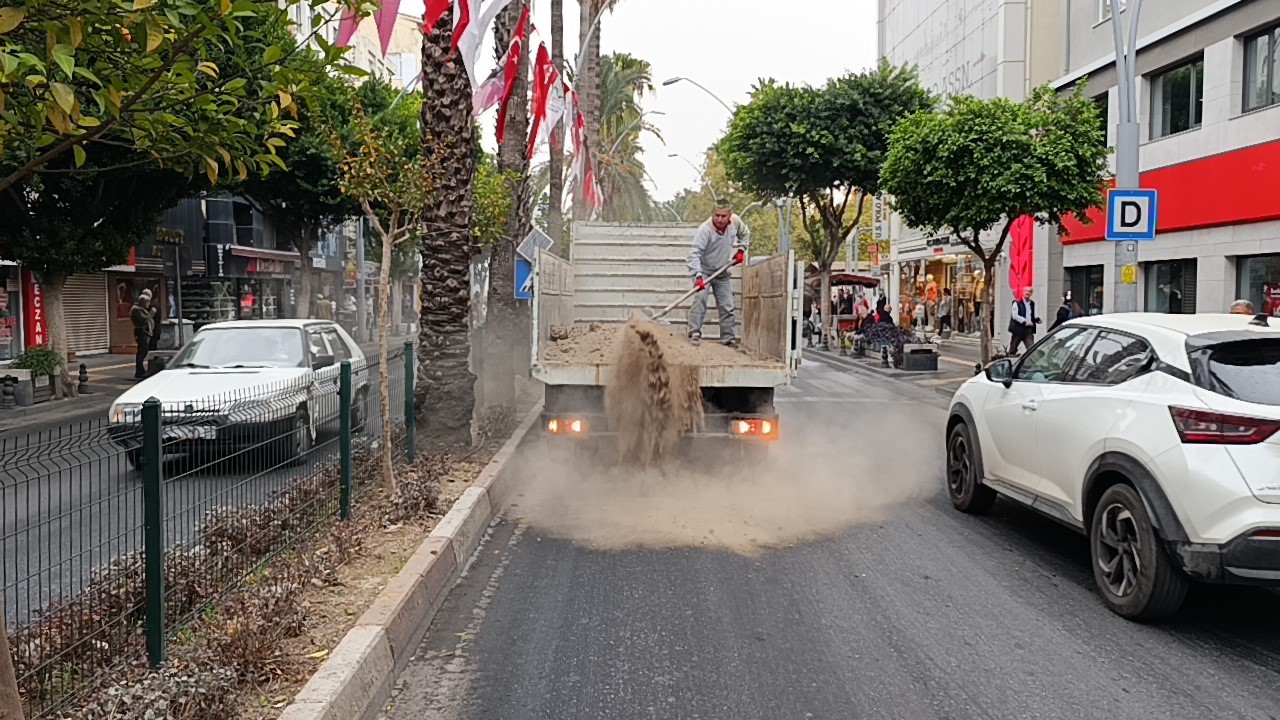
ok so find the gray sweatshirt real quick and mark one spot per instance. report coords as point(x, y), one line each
point(712, 251)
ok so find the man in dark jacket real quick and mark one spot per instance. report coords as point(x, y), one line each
point(1022, 323)
point(143, 327)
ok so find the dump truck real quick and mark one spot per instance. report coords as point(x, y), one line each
point(619, 270)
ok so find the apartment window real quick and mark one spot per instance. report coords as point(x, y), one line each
point(1104, 9)
point(1262, 69)
point(1177, 97)
point(1103, 102)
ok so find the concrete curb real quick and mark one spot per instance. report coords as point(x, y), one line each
point(356, 679)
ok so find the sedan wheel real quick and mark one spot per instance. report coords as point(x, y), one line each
point(1131, 568)
point(964, 479)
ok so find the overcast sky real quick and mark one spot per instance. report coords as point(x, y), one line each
point(725, 45)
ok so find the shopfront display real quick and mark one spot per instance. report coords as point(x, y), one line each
point(10, 313)
point(125, 289)
point(1087, 287)
point(209, 300)
point(1259, 282)
point(1171, 287)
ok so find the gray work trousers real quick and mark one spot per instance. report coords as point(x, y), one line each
point(723, 289)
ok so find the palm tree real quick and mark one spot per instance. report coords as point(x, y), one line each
point(624, 81)
point(555, 210)
point(446, 387)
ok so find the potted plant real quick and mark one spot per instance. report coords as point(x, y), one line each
point(41, 362)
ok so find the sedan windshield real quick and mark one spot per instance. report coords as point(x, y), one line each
point(243, 347)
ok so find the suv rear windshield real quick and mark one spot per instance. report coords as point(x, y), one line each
point(1247, 370)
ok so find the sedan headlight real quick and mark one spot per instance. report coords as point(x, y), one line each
point(125, 413)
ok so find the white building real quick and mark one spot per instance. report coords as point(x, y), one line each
point(1209, 107)
point(984, 48)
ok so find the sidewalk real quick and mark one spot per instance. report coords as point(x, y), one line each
point(957, 359)
point(109, 376)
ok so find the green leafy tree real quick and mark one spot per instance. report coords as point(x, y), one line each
point(975, 167)
point(822, 146)
point(195, 84)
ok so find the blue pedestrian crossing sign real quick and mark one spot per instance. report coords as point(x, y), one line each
point(1131, 214)
point(524, 279)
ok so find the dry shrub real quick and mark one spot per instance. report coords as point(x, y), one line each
point(183, 690)
point(252, 627)
point(496, 422)
point(417, 493)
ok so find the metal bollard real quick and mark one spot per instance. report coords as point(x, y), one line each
point(83, 385)
point(884, 356)
point(8, 401)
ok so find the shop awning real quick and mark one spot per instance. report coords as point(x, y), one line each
point(839, 278)
point(263, 253)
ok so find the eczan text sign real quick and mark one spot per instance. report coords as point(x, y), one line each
point(1131, 214)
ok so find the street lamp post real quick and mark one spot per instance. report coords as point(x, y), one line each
point(631, 127)
point(783, 206)
point(1126, 251)
point(701, 174)
point(701, 87)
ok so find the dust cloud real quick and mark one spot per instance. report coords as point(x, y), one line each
point(836, 465)
point(650, 401)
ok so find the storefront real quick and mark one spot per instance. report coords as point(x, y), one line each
point(245, 283)
point(1171, 287)
point(124, 291)
point(84, 309)
point(1087, 287)
point(10, 313)
point(1258, 279)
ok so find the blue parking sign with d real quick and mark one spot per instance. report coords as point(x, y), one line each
point(1131, 214)
point(524, 279)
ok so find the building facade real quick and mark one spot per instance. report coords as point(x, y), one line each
point(1209, 107)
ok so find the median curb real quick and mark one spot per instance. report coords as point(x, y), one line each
point(356, 679)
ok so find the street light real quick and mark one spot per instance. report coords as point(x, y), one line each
point(701, 174)
point(701, 87)
point(631, 127)
point(1126, 251)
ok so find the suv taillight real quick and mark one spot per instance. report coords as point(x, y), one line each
point(1213, 428)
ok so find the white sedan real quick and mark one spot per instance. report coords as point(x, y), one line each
point(1158, 436)
point(246, 384)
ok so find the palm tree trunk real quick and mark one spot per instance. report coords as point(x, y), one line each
point(446, 387)
point(555, 208)
point(588, 88)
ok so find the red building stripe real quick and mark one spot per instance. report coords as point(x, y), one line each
point(1237, 187)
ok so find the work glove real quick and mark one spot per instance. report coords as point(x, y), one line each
point(700, 283)
point(739, 257)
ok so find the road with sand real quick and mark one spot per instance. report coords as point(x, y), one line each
point(837, 582)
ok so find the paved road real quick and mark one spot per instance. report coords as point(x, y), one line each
point(69, 502)
point(914, 611)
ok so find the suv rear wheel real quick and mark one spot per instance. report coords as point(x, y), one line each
point(1132, 570)
point(964, 476)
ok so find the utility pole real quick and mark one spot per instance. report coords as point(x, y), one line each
point(361, 326)
point(783, 206)
point(1125, 282)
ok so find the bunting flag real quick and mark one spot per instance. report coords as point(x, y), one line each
point(462, 20)
point(548, 100)
point(384, 17)
point(470, 40)
point(431, 17)
point(1021, 255)
point(511, 71)
point(490, 91)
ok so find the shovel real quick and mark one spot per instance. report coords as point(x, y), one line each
point(654, 317)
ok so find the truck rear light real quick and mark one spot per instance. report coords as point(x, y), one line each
point(1214, 428)
point(754, 427)
point(567, 426)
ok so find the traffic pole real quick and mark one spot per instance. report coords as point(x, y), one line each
point(1125, 281)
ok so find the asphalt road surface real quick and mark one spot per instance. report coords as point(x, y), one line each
point(911, 610)
point(70, 503)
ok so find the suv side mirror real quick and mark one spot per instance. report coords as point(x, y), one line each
point(1001, 371)
point(320, 362)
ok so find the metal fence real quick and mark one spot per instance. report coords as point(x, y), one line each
point(117, 532)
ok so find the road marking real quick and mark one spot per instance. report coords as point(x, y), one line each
point(835, 400)
point(942, 381)
point(966, 363)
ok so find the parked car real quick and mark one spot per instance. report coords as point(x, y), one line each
point(246, 384)
point(1158, 436)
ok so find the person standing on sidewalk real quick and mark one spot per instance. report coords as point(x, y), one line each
point(143, 327)
point(945, 307)
point(1022, 323)
point(155, 324)
point(720, 241)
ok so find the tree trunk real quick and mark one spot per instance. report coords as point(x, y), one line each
point(824, 304)
point(51, 287)
point(588, 89)
point(10, 701)
point(384, 378)
point(304, 244)
point(446, 393)
point(988, 305)
point(555, 208)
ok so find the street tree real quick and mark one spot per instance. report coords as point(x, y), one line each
point(385, 170)
point(306, 197)
point(448, 386)
point(972, 169)
point(823, 146)
point(196, 85)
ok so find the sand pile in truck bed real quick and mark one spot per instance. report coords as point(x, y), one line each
point(598, 345)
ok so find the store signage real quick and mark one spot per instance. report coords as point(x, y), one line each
point(261, 266)
point(35, 323)
point(1271, 299)
point(167, 236)
point(1131, 214)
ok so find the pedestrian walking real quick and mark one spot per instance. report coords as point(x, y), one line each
point(143, 327)
point(946, 306)
point(1065, 311)
point(720, 241)
point(1022, 323)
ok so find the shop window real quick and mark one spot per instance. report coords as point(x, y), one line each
point(1262, 69)
point(1177, 98)
point(1259, 283)
point(1087, 288)
point(1171, 287)
point(10, 331)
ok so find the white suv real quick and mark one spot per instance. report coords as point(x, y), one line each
point(1156, 435)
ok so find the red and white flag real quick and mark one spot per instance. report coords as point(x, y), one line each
point(431, 17)
point(511, 70)
point(469, 45)
point(548, 100)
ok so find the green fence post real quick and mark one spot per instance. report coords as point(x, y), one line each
point(344, 439)
point(408, 399)
point(153, 528)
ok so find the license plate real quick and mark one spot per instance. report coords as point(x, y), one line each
point(191, 433)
